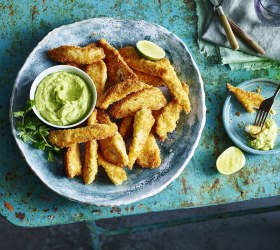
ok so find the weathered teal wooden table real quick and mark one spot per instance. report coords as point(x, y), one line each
point(25, 201)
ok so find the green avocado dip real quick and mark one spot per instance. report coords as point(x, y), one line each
point(62, 98)
point(264, 140)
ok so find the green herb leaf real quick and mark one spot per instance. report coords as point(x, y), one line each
point(56, 149)
point(19, 114)
point(32, 130)
point(25, 137)
point(31, 126)
point(50, 156)
point(30, 104)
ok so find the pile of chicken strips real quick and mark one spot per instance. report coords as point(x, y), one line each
point(130, 115)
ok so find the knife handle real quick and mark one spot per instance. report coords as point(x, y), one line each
point(232, 40)
point(250, 41)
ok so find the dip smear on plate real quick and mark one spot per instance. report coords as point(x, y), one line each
point(262, 139)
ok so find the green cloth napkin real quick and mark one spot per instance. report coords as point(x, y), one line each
point(235, 59)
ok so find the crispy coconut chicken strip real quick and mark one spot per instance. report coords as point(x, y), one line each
point(90, 165)
point(72, 161)
point(98, 73)
point(249, 100)
point(113, 148)
point(166, 122)
point(143, 123)
point(117, 68)
point(67, 137)
point(76, 54)
point(150, 154)
point(151, 98)
point(126, 127)
point(155, 81)
point(161, 68)
point(137, 62)
point(115, 173)
point(120, 91)
point(176, 89)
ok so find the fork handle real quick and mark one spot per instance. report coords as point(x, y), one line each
point(277, 91)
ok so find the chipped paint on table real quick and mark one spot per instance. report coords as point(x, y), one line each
point(25, 201)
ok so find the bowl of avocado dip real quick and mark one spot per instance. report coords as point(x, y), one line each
point(64, 96)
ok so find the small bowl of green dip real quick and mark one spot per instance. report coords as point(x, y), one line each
point(64, 96)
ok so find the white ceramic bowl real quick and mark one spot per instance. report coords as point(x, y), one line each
point(69, 69)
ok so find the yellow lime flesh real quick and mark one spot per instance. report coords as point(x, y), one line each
point(150, 50)
point(230, 161)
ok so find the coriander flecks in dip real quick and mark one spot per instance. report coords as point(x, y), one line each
point(264, 140)
point(63, 98)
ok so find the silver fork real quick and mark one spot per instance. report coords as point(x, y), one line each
point(264, 109)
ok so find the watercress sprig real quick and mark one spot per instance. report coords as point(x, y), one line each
point(32, 130)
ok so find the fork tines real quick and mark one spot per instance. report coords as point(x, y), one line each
point(261, 118)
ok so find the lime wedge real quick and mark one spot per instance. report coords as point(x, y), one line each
point(150, 50)
point(230, 161)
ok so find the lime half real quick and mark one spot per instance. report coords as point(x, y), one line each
point(150, 50)
point(230, 161)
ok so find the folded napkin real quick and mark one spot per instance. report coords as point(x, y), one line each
point(211, 33)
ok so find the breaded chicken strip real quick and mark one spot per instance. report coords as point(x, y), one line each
point(143, 123)
point(120, 91)
point(98, 73)
point(75, 65)
point(161, 68)
point(151, 98)
point(115, 173)
point(113, 148)
point(155, 81)
point(67, 137)
point(176, 89)
point(126, 127)
point(157, 113)
point(76, 54)
point(249, 100)
point(90, 166)
point(150, 154)
point(72, 161)
point(117, 68)
point(137, 62)
point(166, 122)
point(102, 117)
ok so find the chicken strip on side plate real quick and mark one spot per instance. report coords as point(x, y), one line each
point(120, 91)
point(117, 68)
point(151, 98)
point(143, 123)
point(249, 100)
point(76, 54)
point(115, 173)
point(150, 154)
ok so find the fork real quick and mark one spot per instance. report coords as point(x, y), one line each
point(264, 109)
